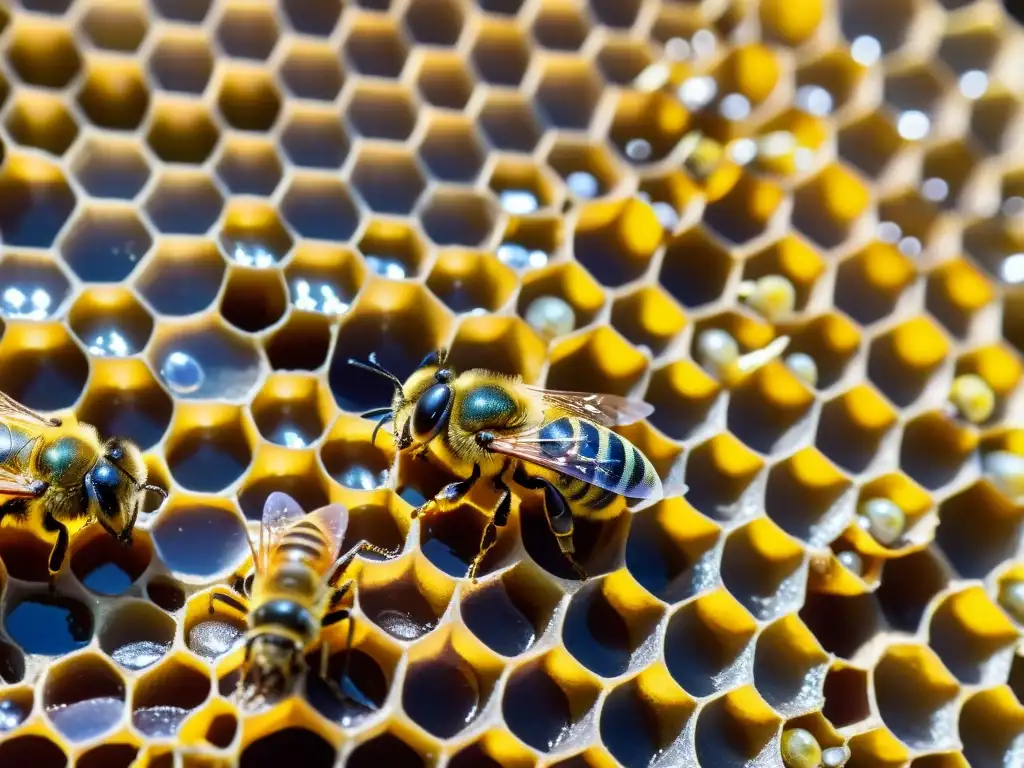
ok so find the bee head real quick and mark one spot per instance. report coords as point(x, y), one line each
point(116, 486)
point(271, 663)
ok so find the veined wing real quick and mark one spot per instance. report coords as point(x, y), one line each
point(603, 409)
point(332, 520)
point(12, 409)
point(279, 511)
point(19, 486)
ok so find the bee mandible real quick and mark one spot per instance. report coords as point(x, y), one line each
point(485, 425)
point(59, 473)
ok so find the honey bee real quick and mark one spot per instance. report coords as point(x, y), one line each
point(60, 474)
point(292, 594)
point(481, 424)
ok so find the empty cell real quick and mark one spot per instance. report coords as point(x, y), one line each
point(458, 218)
point(444, 80)
point(836, 73)
point(870, 144)
point(769, 411)
point(903, 362)
point(42, 122)
point(869, 285)
point(312, 72)
point(186, 11)
point(304, 483)
point(181, 62)
point(466, 281)
point(977, 531)
point(500, 54)
point(200, 541)
point(588, 170)
point(827, 207)
point(637, 729)
point(585, 363)
point(615, 13)
point(401, 608)
point(841, 624)
point(971, 49)
point(916, 87)
point(386, 749)
point(382, 112)
point(290, 410)
point(616, 240)
point(435, 22)
point(992, 120)
point(684, 397)
point(695, 269)
point(284, 745)
point(301, 343)
point(83, 697)
point(115, 26)
point(249, 167)
point(211, 457)
point(105, 244)
point(49, 625)
point(790, 668)
point(247, 32)
point(442, 693)
point(846, 695)
point(44, 370)
point(537, 709)
point(136, 635)
point(106, 568)
point(108, 756)
point(252, 235)
point(42, 54)
point(917, 698)
point(887, 22)
point(560, 26)
point(990, 726)
point(934, 450)
point(165, 593)
point(184, 204)
point(166, 695)
point(620, 61)
point(957, 293)
point(37, 751)
point(391, 250)
point(721, 474)
point(107, 168)
point(114, 96)
point(366, 685)
point(389, 181)
point(320, 209)
point(809, 498)
point(312, 17)
point(597, 634)
point(253, 299)
point(451, 150)
point(509, 123)
point(954, 163)
point(732, 735)
point(33, 288)
point(41, 202)
point(206, 361)
point(745, 212)
point(248, 100)
point(973, 638)
point(648, 318)
point(763, 570)
point(647, 126)
point(511, 613)
point(567, 95)
point(375, 47)
point(182, 133)
point(182, 278)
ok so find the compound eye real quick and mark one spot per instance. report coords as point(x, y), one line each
point(431, 412)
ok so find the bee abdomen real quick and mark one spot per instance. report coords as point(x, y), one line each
point(304, 543)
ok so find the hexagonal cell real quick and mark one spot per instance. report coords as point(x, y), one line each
point(319, 209)
point(870, 144)
point(736, 730)
point(110, 168)
point(647, 126)
point(291, 410)
point(917, 697)
point(648, 318)
point(25, 749)
point(375, 47)
point(511, 613)
point(444, 81)
point(769, 410)
point(763, 569)
point(284, 744)
point(41, 121)
point(312, 72)
point(641, 720)
point(992, 120)
point(902, 363)
point(115, 26)
point(207, 455)
point(110, 322)
point(42, 54)
point(888, 23)
point(790, 668)
point(588, 170)
point(842, 624)
point(435, 22)
point(957, 294)
point(48, 625)
point(165, 695)
point(685, 399)
point(973, 638)
point(382, 112)
point(247, 32)
point(560, 26)
point(84, 697)
point(972, 548)
point(458, 218)
point(990, 727)
point(303, 342)
point(108, 756)
point(695, 269)
point(451, 150)
point(749, 73)
point(567, 95)
point(105, 244)
point(181, 62)
point(34, 288)
point(792, 258)
point(827, 207)
point(386, 749)
point(315, 139)
point(187, 11)
point(404, 314)
point(500, 53)
point(509, 122)
point(954, 163)
point(620, 61)
point(248, 100)
point(852, 428)
point(199, 540)
point(249, 166)
point(184, 203)
point(323, 279)
point(809, 498)
point(45, 369)
point(869, 285)
point(388, 180)
point(721, 474)
point(312, 17)
point(468, 281)
point(182, 278)
point(43, 202)
point(124, 398)
point(402, 603)
point(917, 87)
point(182, 133)
point(205, 360)
point(584, 363)
point(934, 450)
point(114, 96)
point(254, 299)
point(782, 25)
point(835, 72)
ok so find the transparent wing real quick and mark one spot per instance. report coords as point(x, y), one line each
point(576, 457)
point(606, 410)
point(19, 486)
point(332, 520)
point(279, 511)
point(12, 409)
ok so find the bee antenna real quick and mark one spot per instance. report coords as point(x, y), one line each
point(374, 367)
point(155, 489)
point(383, 420)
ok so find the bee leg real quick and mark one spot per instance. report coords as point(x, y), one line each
point(498, 520)
point(60, 546)
point(559, 515)
point(238, 605)
point(334, 618)
point(449, 495)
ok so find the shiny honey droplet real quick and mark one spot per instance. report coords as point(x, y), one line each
point(972, 397)
point(836, 757)
point(1011, 597)
point(717, 350)
point(1005, 470)
point(884, 520)
point(851, 561)
point(550, 316)
point(803, 367)
point(800, 749)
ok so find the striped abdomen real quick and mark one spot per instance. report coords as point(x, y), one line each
point(607, 464)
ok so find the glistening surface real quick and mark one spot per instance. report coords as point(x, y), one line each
point(207, 207)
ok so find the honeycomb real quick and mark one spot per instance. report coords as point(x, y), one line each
point(207, 208)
